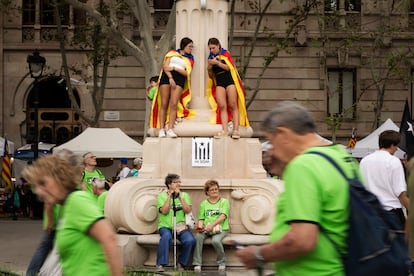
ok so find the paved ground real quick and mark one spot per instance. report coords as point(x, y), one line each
point(19, 238)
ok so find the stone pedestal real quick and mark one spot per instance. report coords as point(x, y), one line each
point(131, 203)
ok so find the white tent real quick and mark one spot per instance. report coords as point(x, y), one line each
point(104, 143)
point(370, 143)
point(9, 143)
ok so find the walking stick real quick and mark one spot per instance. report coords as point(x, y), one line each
point(175, 232)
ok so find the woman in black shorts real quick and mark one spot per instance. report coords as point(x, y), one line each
point(175, 73)
point(229, 92)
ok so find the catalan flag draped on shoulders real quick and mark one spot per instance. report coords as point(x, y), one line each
point(182, 108)
point(6, 167)
point(225, 56)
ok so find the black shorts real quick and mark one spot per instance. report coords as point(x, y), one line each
point(224, 79)
point(178, 78)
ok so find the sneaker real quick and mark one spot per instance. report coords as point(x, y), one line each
point(220, 135)
point(160, 268)
point(235, 135)
point(222, 268)
point(180, 267)
point(197, 268)
point(161, 133)
point(171, 134)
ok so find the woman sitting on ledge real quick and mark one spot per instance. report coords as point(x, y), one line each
point(173, 203)
point(213, 222)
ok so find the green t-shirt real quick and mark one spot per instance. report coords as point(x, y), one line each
point(167, 219)
point(209, 212)
point(88, 176)
point(151, 92)
point(101, 201)
point(56, 212)
point(80, 253)
point(315, 192)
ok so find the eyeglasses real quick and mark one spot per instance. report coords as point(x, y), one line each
point(213, 189)
point(92, 156)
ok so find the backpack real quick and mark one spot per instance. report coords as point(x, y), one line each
point(132, 172)
point(376, 242)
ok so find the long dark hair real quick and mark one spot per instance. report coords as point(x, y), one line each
point(184, 42)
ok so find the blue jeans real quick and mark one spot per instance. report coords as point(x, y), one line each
point(40, 255)
point(187, 244)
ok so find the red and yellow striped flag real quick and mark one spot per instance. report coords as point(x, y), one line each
point(6, 168)
point(352, 140)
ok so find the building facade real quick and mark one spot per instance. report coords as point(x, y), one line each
point(348, 61)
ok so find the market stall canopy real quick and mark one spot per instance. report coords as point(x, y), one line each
point(104, 143)
point(10, 143)
point(26, 152)
point(370, 143)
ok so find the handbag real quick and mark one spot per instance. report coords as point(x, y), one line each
point(216, 230)
point(190, 221)
point(52, 265)
point(180, 227)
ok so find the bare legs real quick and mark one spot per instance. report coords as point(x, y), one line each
point(170, 96)
point(228, 97)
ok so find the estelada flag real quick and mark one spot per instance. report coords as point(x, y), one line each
point(6, 168)
point(353, 140)
point(406, 130)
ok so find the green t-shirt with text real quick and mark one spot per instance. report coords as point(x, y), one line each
point(167, 219)
point(209, 212)
point(88, 176)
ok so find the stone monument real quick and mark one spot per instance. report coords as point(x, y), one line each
point(196, 157)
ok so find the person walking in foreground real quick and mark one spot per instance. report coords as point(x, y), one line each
point(384, 175)
point(169, 202)
point(225, 91)
point(316, 196)
point(213, 221)
point(86, 241)
point(174, 90)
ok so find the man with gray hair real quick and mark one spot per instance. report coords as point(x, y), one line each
point(98, 187)
point(316, 197)
point(137, 164)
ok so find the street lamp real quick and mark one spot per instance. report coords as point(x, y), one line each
point(36, 64)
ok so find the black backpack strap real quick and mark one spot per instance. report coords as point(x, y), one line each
point(333, 163)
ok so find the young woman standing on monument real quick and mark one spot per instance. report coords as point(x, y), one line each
point(174, 92)
point(225, 91)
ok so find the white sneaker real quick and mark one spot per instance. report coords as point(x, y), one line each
point(197, 268)
point(171, 134)
point(222, 268)
point(161, 133)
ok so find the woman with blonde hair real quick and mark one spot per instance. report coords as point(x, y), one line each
point(85, 240)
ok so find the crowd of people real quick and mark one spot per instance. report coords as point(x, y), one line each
point(315, 195)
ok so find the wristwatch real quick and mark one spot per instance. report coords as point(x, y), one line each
point(260, 261)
